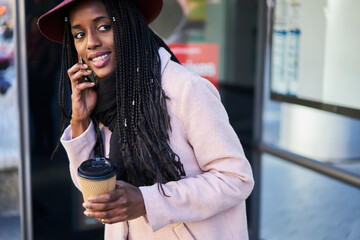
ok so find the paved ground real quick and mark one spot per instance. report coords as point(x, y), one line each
point(10, 228)
point(299, 204)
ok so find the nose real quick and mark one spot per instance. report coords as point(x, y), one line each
point(93, 41)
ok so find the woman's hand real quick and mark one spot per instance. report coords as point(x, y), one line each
point(83, 98)
point(124, 203)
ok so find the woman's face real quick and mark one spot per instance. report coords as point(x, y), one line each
point(93, 36)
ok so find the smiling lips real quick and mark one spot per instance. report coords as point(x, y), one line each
point(100, 61)
point(100, 58)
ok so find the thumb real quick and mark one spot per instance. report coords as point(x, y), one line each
point(121, 184)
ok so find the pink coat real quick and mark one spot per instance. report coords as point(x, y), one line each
point(209, 204)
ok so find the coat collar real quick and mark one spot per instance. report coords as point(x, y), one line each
point(164, 57)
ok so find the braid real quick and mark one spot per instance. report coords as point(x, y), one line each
point(99, 146)
point(66, 51)
point(143, 119)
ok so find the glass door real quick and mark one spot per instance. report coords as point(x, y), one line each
point(10, 150)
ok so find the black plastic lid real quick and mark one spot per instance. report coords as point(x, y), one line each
point(97, 169)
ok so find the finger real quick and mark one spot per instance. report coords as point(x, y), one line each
point(78, 77)
point(121, 184)
point(100, 206)
point(101, 220)
point(108, 197)
point(75, 68)
point(77, 87)
point(84, 85)
point(105, 214)
point(76, 95)
point(80, 74)
point(72, 72)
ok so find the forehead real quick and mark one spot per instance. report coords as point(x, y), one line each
point(87, 8)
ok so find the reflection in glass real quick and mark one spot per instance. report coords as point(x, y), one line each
point(187, 26)
point(313, 46)
point(305, 58)
point(9, 128)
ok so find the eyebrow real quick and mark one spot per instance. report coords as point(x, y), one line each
point(95, 20)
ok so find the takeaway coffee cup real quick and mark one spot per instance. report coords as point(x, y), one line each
point(97, 176)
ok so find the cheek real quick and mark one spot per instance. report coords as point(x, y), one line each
point(114, 55)
point(113, 59)
point(80, 51)
point(113, 63)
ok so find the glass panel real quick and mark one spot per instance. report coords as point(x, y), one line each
point(297, 203)
point(320, 135)
point(193, 29)
point(9, 128)
point(313, 51)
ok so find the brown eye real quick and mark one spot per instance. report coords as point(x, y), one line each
point(105, 27)
point(79, 35)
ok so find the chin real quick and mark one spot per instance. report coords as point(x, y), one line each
point(102, 74)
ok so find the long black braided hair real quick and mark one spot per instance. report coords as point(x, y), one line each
point(143, 120)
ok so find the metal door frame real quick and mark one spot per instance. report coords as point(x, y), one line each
point(24, 133)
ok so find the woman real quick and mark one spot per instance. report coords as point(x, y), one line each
point(183, 173)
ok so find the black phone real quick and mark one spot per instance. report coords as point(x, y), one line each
point(91, 77)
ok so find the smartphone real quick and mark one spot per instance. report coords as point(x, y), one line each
point(91, 77)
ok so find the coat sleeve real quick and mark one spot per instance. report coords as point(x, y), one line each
point(226, 177)
point(78, 149)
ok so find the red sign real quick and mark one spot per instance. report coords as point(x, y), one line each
point(2, 9)
point(201, 58)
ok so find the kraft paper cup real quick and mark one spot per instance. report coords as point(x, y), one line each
point(97, 176)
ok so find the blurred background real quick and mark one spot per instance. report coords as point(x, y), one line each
point(288, 75)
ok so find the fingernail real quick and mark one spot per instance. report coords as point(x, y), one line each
point(85, 65)
point(86, 212)
point(91, 198)
point(88, 71)
point(84, 205)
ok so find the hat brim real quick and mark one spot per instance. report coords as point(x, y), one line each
point(51, 24)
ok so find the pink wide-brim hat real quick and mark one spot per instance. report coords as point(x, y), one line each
point(51, 24)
